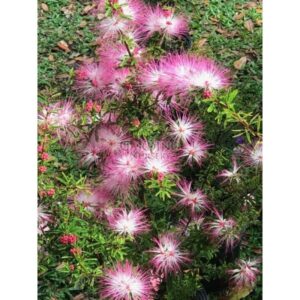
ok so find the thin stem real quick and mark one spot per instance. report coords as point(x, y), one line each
point(162, 39)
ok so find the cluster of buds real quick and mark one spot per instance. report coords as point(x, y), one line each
point(90, 105)
point(42, 169)
point(75, 251)
point(68, 239)
point(50, 193)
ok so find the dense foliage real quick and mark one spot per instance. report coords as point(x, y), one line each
point(150, 166)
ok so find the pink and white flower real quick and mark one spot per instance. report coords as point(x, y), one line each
point(95, 199)
point(224, 231)
point(130, 223)
point(196, 201)
point(150, 75)
point(253, 155)
point(106, 139)
point(116, 88)
point(168, 257)
point(185, 73)
point(126, 282)
point(245, 275)
point(44, 219)
point(133, 9)
point(159, 159)
point(111, 138)
point(165, 22)
point(92, 79)
point(122, 169)
point(59, 115)
point(185, 128)
point(111, 27)
point(231, 175)
point(195, 151)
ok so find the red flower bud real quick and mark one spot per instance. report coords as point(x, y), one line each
point(51, 192)
point(136, 122)
point(207, 94)
point(42, 169)
point(89, 105)
point(45, 156)
point(40, 148)
point(75, 251)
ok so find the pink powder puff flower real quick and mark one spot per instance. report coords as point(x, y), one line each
point(211, 76)
point(109, 117)
point(58, 115)
point(165, 22)
point(132, 9)
point(125, 282)
point(99, 6)
point(155, 280)
point(245, 275)
point(110, 138)
point(113, 52)
point(106, 139)
point(195, 200)
point(159, 159)
point(116, 87)
point(168, 257)
point(111, 27)
point(224, 231)
point(43, 220)
point(129, 223)
point(194, 151)
point(149, 75)
point(253, 155)
point(90, 154)
point(95, 199)
point(231, 175)
point(93, 78)
point(185, 128)
point(184, 73)
point(122, 169)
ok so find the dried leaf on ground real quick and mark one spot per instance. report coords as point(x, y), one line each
point(44, 7)
point(82, 24)
point(239, 16)
point(69, 10)
point(63, 45)
point(201, 42)
point(51, 57)
point(251, 4)
point(88, 8)
point(79, 297)
point(240, 63)
point(249, 25)
point(258, 22)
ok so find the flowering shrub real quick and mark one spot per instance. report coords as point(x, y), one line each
point(139, 196)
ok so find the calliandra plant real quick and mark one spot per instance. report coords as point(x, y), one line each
point(137, 128)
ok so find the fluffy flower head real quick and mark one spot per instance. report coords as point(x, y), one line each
point(129, 223)
point(194, 151)
point(245, 275)
point(122, 169)
point(168, 257)
point(196, 201)
point(125, 282)
point(185, 128)
point(224, 231)
point(159, 159)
